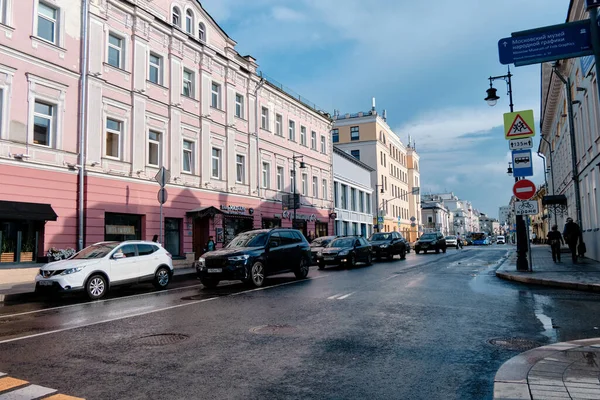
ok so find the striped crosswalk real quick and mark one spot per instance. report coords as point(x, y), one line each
point(18, 389)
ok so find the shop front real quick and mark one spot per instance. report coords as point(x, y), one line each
point(22, 230)
point(121, 227)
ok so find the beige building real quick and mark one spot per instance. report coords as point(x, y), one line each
point(395, 179)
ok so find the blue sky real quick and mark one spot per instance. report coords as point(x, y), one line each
point(426, 62)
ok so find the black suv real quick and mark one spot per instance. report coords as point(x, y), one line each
point(346, 250)
point(431, 241)
point(253, 255)
point(388, 244)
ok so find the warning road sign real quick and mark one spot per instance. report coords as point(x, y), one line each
point(519, 125)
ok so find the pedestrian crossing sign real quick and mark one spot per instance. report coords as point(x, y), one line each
point(519, 125)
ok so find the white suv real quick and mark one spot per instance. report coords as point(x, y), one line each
point(101, 265)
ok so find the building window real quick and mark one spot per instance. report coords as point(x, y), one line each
point(280, 178)
point(304, 185)
point(216, 95)
point(155, 69)
point(115, 51)
point(216, 163)
point(323, 145)
point(315, 187)
point(266, 175)
point(292, 131)
point(240, 169)
point(154, 148)
point(188, 156)
point(302, 135)
point(189, 21)
point(368, 202)
point(114, 129)
point(355, 154)
point(278, 125)
point(188, 83)
point(324, 189)
point(43, 123)
point(201, 32)
point(353, 199)
point(354, 134)
point(47, 21)
point(313, 140)
point(344, 197)
point(336, 201)
point(361, 201)
point(239, 105)
point(335, 135)
point(292, 181)
point(173, 236)
point(176, 17)
point(264, 118)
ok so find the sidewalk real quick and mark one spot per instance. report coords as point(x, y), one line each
point(567, 370)
point(584, 275)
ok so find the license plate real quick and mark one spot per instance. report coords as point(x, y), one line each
point(329, 258)
point(215, 270)
point(46, 283)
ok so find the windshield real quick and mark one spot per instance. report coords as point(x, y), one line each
point(428, 236)
point(478, 236)
point(451, 237)
point(95, 251)
point(381, 236)
point(248, 240)
point(320, 242)
point(344, 242)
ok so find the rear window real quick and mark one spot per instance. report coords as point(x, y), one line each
point(146, 249)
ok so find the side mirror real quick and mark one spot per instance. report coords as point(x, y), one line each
point(118, 256)
point(273, 243)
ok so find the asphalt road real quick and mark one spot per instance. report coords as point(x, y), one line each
point(413, 329)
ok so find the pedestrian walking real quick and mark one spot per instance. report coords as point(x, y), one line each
point(572, 234)
point(555, 239)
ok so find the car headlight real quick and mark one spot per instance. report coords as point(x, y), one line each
point(384, 246)
point(344, 253)
point(319, 253)
point(202, 261)
point(71, 270)
point(239, 258)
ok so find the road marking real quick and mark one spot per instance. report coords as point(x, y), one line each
point(334, 296)
point(27, 393)
point(97, 301)
point(9, 383)
point(345, 296)
point(190, 303)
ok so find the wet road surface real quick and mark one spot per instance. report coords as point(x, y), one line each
point(413, 329)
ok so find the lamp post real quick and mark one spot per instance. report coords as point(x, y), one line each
point(522, 242)
point(302, 166)
point(377, 205)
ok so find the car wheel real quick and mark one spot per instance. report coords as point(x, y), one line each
point(444, 249)
point(417, 251)
point(96, 287)
point(321, 265)
point(302, 271)
point(424, 251)
point(209, 283)
point(162, 277)
point(351, 261)
point(402, 254)
point(369, 259)
point(257, 274)
point(437, 250)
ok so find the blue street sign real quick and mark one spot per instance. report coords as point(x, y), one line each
point(522, 163)
point(592, 3)
point(380, 220)
point(547, 44)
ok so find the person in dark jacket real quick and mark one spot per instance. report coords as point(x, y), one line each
point(555, 239)
point(572, 234)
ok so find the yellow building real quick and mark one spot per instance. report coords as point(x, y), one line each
point(368, 137)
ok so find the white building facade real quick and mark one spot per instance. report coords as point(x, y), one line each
point(353, 195)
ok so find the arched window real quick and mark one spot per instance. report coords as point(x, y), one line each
point(189, 21)
point(176, 17)
point(201, 32)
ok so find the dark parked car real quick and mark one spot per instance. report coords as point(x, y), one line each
point(346, 250)
point(431, 241)
point(253, 255)
point(388, 244)
point(319, 244)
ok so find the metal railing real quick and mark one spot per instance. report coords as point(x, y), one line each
point(292, 93)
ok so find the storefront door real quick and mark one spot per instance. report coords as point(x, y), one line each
point(300, 224)
point(321, 229)
point(121, 227)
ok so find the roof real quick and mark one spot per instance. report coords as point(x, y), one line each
point(351, 158)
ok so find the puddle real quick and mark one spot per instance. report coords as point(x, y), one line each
point(538, 308)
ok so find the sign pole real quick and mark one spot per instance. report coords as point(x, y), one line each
point(595, 42)
point(161, 224)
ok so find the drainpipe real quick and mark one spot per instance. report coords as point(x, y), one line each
point(82, 120)
point(258, 159)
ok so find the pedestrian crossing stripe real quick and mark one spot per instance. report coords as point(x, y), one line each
point(13, 388)
point(519, 125)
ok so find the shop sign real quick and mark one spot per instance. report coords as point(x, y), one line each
point(120, 230)
point(288, 215)
point(233, 209)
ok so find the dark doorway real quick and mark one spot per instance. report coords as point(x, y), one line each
point(201, 233)
point(300, 224)
point(321, 229)
point(270, 223)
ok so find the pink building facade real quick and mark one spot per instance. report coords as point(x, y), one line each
point(165, 88)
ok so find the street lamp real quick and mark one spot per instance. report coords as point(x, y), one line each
point(301, 166)
point(522, 245)
point(377, 205)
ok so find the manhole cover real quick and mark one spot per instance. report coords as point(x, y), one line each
point(273, 329)
point(514, 343)
point(161, 339)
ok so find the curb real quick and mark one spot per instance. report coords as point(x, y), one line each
point(512, 379)
point(591, 287)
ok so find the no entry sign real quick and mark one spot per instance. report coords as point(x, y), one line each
point(524, 189)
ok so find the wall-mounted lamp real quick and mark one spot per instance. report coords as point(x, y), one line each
point(94, 163)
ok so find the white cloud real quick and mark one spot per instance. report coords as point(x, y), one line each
point(287, 14)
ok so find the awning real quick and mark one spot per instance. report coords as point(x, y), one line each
point(27, 211)
point(202, 212)
point(559, 199)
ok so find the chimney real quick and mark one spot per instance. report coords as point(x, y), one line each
point(373, 107)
